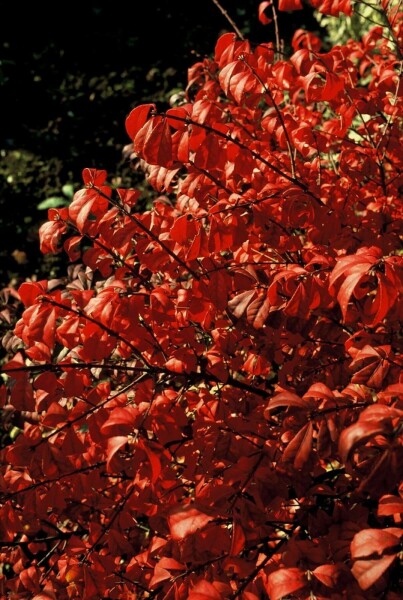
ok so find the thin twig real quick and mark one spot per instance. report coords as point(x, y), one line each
point(230, 21)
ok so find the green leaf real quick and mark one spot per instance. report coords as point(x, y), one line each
point(68, 190)
point(52, 202)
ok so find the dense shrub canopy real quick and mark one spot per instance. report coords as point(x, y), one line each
point(209, 404)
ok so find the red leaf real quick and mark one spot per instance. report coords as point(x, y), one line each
point(72, 247)
point(367, 572)
point(334, 84)
point(390, 505)
point(368, 542)
point(114, 445)
point(184, 229)
point(204, 590)
point(171, 564)
point(239, 303)
point(284, 582)
point(177, 116)
point(29, 291)
point(182, 360)
point(258, 310)
point(358, 433)
point(226, 41)
point(50, 234)
point(263, 18)
point(155, 462)
point(137, 118)
point(185, 520)
point(289, 5)
point(121, 421)
point(154, 142)
point(160, 574)
point(371, 365)
point(236, 80)
point(93, 177)
point(30, 578)
point(327, 574)
point(288, 399)
point(333, 7)
point(237, 539)
point(299, 449)
point(387, 294)
point(87, 202)
point(374, 420)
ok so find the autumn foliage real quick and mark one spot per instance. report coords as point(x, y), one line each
point(209, 405)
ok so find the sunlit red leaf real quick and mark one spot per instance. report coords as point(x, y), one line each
point(115, 444)
point(263, 18)
point(137, 118)
point(185, 520)
point(390, 505)
point(333, 7)
point(327, 574)
point(154, 142)
point(94, 177)
point(30, 290)
point(283, 582)
point(50, 235)
point(368, 542)
point(204, 590)
point(368, 571)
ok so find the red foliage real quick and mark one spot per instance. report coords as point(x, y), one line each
point(210, 405)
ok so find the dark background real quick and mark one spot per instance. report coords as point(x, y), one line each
point(69, 74)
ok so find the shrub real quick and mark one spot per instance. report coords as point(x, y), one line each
point(208, 406)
